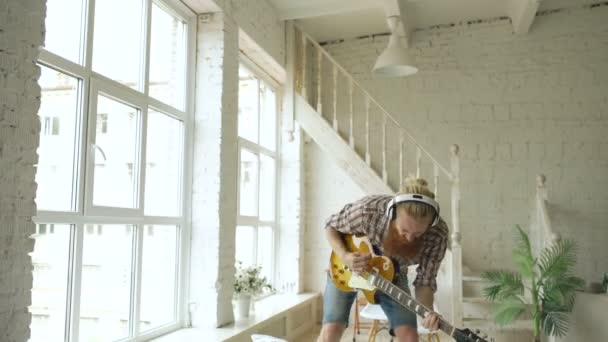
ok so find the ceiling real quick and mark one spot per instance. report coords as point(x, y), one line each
point(328, 20)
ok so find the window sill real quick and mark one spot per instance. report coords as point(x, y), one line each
point(284, 316)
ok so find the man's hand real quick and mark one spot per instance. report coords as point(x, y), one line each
point(357, 262)
point(431, 321)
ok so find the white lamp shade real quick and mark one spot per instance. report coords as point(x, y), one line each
point(394, 61)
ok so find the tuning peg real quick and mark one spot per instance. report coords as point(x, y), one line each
point(477, 331)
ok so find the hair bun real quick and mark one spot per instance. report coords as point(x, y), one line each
point(415, 185)
point(413, 181)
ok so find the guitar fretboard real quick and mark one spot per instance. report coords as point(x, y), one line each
point(407, 301)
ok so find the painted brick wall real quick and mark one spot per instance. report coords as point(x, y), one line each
point(328, 188)
point(214, 190)
point(517, 106)
point(21, 33)
point(260, 22)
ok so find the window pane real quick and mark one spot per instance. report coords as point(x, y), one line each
point(106, 283)
point(248, 106)
point(59, 110)
point(159, 271)
point(265, 250)
point(64, 28)
point(163, 165)
point(116, 155)
point(167, 58)
point(268, 118)
point(245, 244)
point(267, 188)
point(118, 40)
point(50, 260)
point(248, 184)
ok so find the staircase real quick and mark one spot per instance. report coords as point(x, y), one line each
point(353, 128)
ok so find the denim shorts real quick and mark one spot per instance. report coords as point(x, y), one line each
point(337, 305)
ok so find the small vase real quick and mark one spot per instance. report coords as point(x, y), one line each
point(243, 305)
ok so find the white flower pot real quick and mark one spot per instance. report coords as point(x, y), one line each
point(243, 305)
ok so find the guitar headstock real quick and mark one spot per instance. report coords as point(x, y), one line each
point(467, 335)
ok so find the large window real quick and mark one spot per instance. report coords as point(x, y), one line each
point(258, 164)
point(110, 171)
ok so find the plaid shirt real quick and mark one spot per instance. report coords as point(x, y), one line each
point(367, 216)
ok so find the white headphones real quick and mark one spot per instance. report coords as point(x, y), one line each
point(390, 209)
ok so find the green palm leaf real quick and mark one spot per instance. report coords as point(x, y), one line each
point(561, 290)
point(503, 285)
point(522, 254)
point(557, 259)
point(555, 323)
point(506, 312)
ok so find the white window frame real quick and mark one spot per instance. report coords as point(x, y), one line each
point(90, 84)
point(257, 149)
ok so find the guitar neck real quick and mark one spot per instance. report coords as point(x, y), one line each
point(407, 301)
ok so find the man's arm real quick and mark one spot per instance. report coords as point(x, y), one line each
point(358, 262)
point(336, 242)
point(425, 295)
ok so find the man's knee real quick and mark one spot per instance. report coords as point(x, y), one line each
point(331, 332)
point(406, 333)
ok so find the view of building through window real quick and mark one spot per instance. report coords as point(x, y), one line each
point(110, 171)
point(256, 223)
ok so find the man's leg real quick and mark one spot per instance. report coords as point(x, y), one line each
point(336, 310)
point(403, 322)
point(405, 333)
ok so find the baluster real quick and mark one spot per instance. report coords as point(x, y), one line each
point(384, 173)
point(368, 156)
point(457, 313)
point(335, 71)
point(351, 139)
point(304, 42)
point(436, 178)
point(455, 165)
point(401, 140)
point(418, 160)
point(319, 67)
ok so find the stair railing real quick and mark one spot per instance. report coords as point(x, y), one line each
point(309, 83)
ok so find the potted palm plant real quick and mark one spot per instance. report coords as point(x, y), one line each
point(248, 283)
point(542, 287)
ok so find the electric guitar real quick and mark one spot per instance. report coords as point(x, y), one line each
point(380, 278)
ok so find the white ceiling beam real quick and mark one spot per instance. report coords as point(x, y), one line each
point(329, 7)
point(523, 13)
point(203, 6)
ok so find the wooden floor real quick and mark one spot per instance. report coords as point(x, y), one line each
point(382, 336)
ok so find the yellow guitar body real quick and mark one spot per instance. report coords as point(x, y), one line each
point(345, 280)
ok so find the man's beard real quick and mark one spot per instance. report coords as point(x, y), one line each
point(397, 245)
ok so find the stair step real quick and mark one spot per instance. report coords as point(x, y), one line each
point(473, 278)
point(481, 300)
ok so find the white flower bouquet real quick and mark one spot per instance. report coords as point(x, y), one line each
point(249, 281)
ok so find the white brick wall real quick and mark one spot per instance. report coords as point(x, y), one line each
point(260, 22)
point(214, 190)
point(21, 32)
point(328, 188)
point(517, 106)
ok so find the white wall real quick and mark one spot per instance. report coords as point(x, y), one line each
point(517, 106)
point(327, 190)
point(588, 318)
point(214, 170)
point(21, 32)
point(259, 20)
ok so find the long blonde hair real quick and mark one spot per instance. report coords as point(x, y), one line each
point(413, 185)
